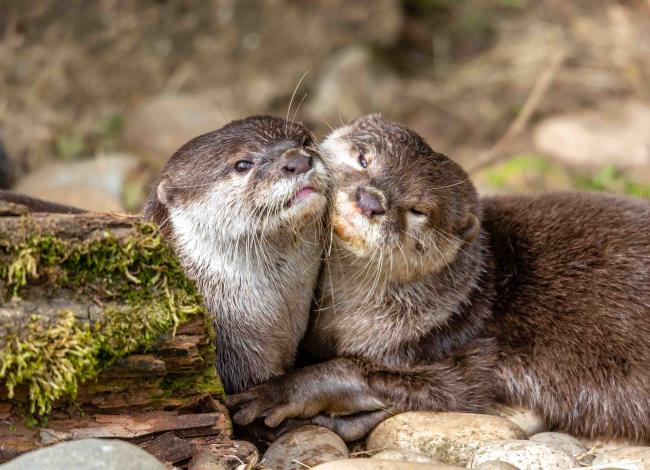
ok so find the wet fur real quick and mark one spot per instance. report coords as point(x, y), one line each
point(255, 261)
point(545, 304)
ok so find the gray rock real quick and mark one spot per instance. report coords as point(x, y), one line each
point(616, 133)
point(496, 465)
point(352, 83)
point(95, 184)
point(526, 419)
point(403, 455)
point(373, 464)
point(160, 125)
point(304, 447)
point(87, 454)
point(448, 437)
point(564, 442)
point(629, 458)
point(525, 455)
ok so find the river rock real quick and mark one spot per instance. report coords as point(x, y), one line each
point(87, 454)
point(374, 464)
point(525, 455)
point(496, 465)
point(95, 184)
point(527, 419)
point(614, 134)
point(352, 83)
point(404, 456)
point(636, 457)
point(564, 442)
point(160, 125)
point(449, 437)
point(304, 447)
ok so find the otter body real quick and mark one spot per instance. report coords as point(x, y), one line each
point(243, 207)
point(435, 300)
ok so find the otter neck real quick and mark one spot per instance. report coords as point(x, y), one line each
point(252, 288)
point(386, 320)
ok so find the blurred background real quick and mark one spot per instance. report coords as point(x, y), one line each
point(527, 94)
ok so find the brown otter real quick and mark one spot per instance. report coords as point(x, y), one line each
point(38, 205)
point(436, 300)
point(243, 207)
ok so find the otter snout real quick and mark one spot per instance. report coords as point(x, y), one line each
point(369, 204)
point(295, 162)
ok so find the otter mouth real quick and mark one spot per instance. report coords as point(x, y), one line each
point(301, 195)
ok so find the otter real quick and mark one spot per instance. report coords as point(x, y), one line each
point(243, 208)
point(434, 299)
point(38, 205)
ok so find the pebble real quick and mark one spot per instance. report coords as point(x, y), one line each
point(564, 442)
point(496, 465)
point(637, 456)
point(374, 464)
point(352, 83)
point(160, 125)
point(526, 419)
point(614, 134)
point(87, 454)
point(448, 437)
point(525, 455)
point(94, 184)
point(403, 455)
point(304, 447)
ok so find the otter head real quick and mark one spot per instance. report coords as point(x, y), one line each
point(396, 201)
point(253, 178)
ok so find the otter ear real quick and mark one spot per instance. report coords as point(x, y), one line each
point(470, 228)
point(162, 191)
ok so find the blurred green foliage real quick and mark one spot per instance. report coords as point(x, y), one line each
point(524, 173)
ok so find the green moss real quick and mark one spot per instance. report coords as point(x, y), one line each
point(143, 293)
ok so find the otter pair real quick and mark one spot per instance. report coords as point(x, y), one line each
point(429, 298)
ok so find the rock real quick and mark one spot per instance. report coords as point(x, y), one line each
point(526, 419)
point(525, 455)
point(615, 134)
point(448, 437)
point(304, 447)
point(352, 83)
point(205, 460)
point(496, 465)
point(636, 457)
point(87, 454)
point(564, 442)
point(599, 446)
point(160, 125)
point(94, 184)
point(373, 464)
point(403, 455)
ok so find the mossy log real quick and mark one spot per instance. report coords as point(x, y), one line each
point(95, 308)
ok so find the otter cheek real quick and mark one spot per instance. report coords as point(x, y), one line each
point(347, 233)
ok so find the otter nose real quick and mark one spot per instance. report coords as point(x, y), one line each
point(296, 163)
point(368, 204)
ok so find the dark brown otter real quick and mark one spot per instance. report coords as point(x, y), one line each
point(434, 300)
point(38, 205)
point(244, 207)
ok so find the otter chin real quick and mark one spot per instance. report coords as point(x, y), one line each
point(244, 208)
point(436, 299)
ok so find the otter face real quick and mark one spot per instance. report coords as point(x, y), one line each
point(396, 201)
point(252, 177)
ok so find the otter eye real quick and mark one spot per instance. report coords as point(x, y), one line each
point(414, 211)
point(243, 166)
point(362, 160)
point(307, 142)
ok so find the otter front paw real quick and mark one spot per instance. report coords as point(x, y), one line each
point(273, 402)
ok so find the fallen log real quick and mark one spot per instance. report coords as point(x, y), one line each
point(97, 317)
